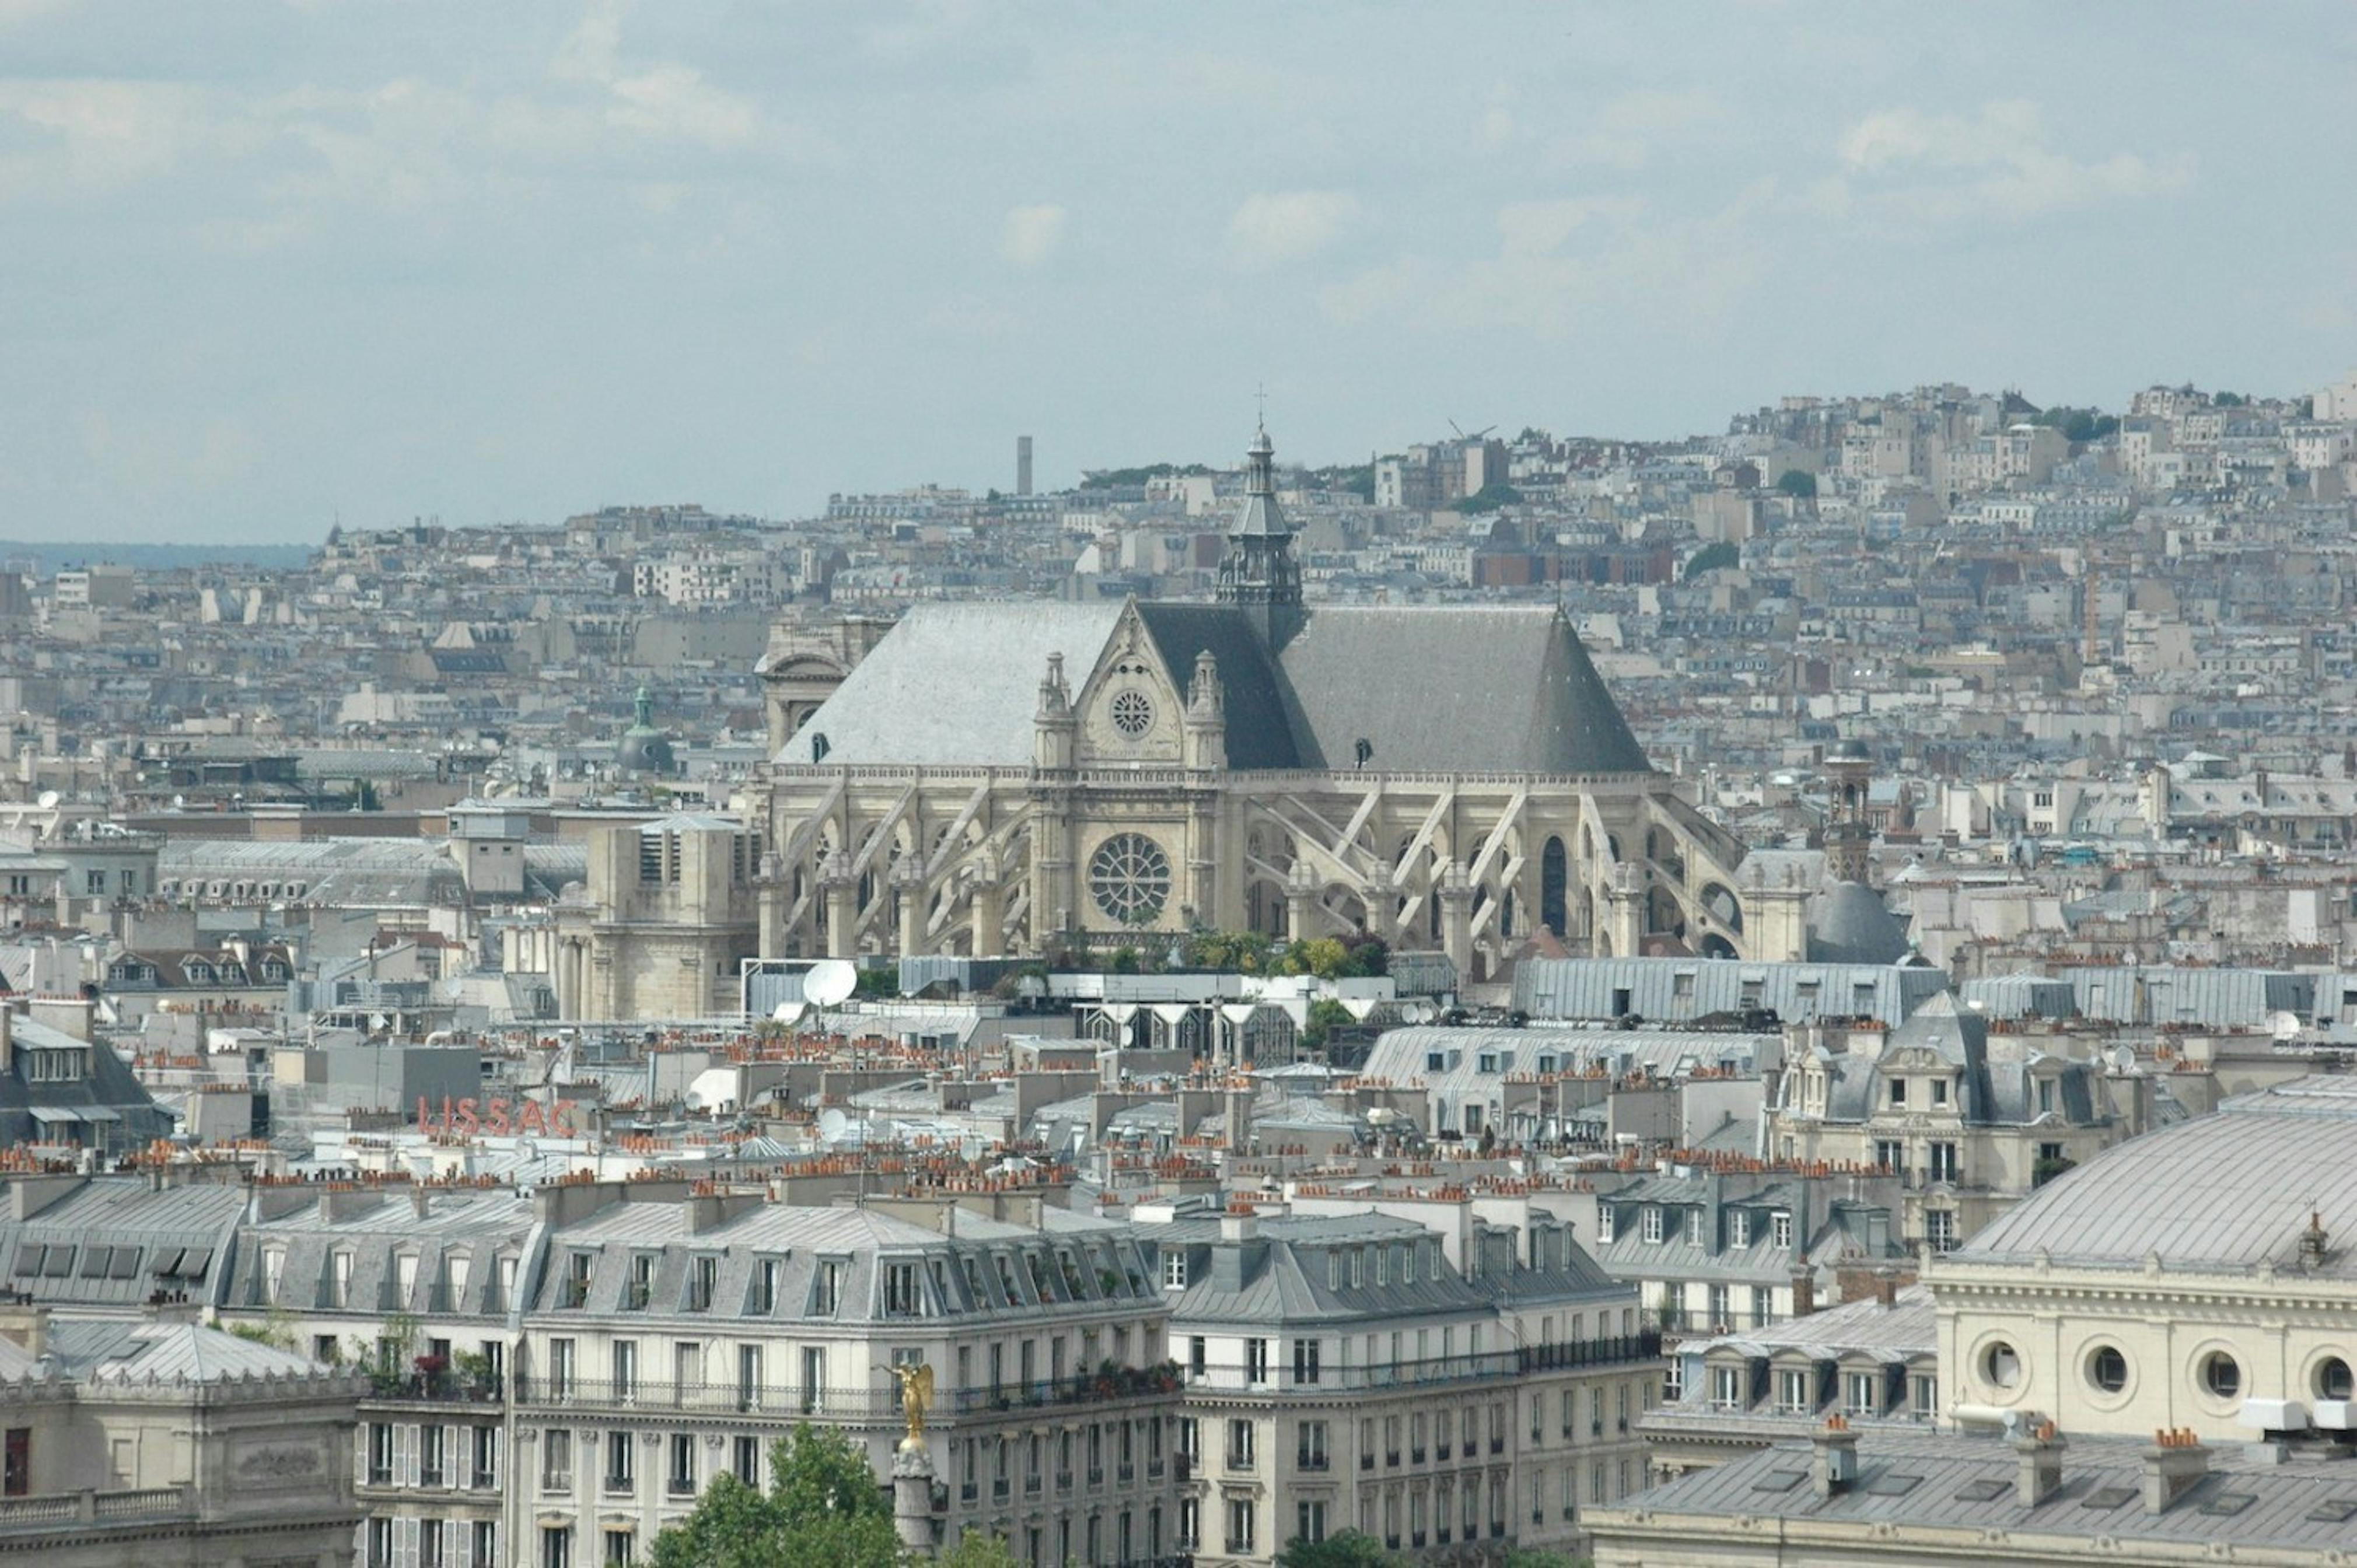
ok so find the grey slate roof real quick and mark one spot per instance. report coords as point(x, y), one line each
point(131, 1351)
point(111, 1241)
point(1666, 989)
point(1906, 1328)
point(2227, 1191)
point(108, 1108)
point(1259, 733)
point(1439, 690)
point(2284, 1507)
point(955, 684)
point(1849, 923)
point(1454, 689)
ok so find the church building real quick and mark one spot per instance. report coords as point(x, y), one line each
point(1025, 777)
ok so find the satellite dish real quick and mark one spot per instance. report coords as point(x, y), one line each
point(829, 981)
point(788, 1012)
point(832, 1125)
point(2285, 1025)
point(49, 801)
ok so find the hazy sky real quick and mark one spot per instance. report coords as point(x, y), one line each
point(265, 261)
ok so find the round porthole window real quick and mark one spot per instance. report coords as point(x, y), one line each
point(2334, 1379)
point(1129, 877)
point(1132, 713)
point(2107, 1369)
point(2001, 1365)
point(2222, 1375)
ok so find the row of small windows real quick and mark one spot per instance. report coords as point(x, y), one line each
point(2107, 1370)
point(222, 888)
point(908, 1288)
point(1653, 1226)
point(55, 1260)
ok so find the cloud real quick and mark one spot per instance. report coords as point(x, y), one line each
point(86, 134)
point(1284, 226)
point(1565, 267)
point(667, 100)
point(590, 51)
point(1628, 129)
point(674, 101)
point(1032, 233)
point(1995, 164)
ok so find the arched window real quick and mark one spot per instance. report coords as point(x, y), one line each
point(1555, 880)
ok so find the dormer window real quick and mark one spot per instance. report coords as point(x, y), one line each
point(1780, 1229)
point(1604, 1225)
point(1651, 1220)
point(826, 1288)
point(1739, 1227)
point(1897, 1092)
point(1939, 1091)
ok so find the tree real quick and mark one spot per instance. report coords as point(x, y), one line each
point(976, 1549)
point(1326, 1015)
point(1799, 483)
point(1348, 1549)
point(1713, 558)
point(1490, 497)
point(823, 1506)
point(1530, 1557)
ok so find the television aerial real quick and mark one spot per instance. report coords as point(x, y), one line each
point(1475, 436)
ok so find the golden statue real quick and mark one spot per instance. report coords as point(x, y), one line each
point(916, 1394)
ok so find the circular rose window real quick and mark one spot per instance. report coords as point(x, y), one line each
point(1132, 713)
point(1129, 876)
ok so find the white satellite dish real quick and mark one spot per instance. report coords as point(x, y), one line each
point(49, 801)
point(788, 1012)
point(830, 981)
point(832, 1125)
point(2285, 1025)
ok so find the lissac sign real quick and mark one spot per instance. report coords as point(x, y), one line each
point(465, 1118)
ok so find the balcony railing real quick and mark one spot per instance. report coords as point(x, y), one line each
point(53, 1508)
point(1568, 1356)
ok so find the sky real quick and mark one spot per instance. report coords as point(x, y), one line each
point(266, 264)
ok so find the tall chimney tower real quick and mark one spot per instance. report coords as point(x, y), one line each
point(1023, 465)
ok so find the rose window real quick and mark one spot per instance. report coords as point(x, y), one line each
point(1132, 713)
point(1129, 876)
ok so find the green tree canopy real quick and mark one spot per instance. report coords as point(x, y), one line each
point(1490, 497)
point(1712, 558)
point(1798, 482)
point(823, 1509)
point(1348, 1549)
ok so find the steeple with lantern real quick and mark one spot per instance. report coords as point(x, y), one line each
point(1258, 572)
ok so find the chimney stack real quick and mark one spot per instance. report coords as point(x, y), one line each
point(1886, 1286)
point(2173, 1465)
point(1834, 1461)
point(1805, 1292)
point(7, 1034)
point(2038, 1471)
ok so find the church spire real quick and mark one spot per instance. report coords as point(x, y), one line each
point(1258, 569)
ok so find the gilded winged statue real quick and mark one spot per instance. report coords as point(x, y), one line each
point(916, 1394)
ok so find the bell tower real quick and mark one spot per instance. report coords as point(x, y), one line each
point(1258, 572)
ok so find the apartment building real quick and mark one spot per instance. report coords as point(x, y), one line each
point(1341, 1374)
point(1972, 1120)
point(665, 1341)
